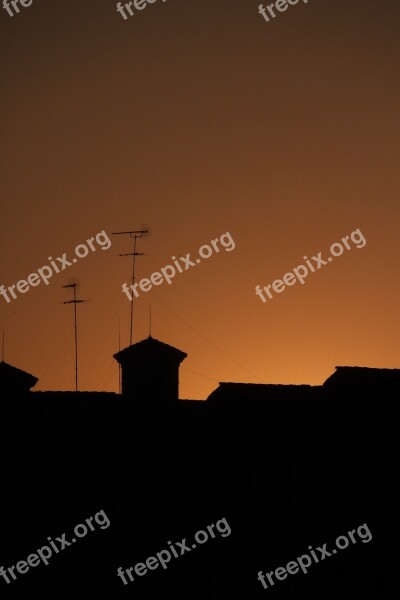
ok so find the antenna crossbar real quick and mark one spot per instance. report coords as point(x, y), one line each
point(135, 235)
point(75, 301)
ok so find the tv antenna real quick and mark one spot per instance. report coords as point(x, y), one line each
point(119, 364)
point(135, 235)
point(75, 302)
point(150, 321)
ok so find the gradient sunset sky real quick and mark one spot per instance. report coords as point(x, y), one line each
point(197, 118)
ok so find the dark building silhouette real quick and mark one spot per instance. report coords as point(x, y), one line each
point(288, 466)
point(13, 381)
point(150, 372)
point(361, 379)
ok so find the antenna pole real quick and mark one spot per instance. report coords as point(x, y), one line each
point(119, 348)
point(150, 320)
point(135, 235)
point(75, 302)
point(76, 342)
point(133, 282)
point(2, 354)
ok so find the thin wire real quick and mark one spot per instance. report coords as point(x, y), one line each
point(107, 333)
point(54, 358)
point(103, 389)
point(206, 339)
point(200, 375)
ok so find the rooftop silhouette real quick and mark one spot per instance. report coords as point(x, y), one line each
point(286, 465)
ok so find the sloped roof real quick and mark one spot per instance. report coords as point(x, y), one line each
point(11, 377)
point(150, 347)
point(363, 376)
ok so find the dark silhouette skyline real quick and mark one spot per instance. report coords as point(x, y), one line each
point(287, 466)
point(198, 119)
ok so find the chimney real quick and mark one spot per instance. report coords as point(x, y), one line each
point(150, 373)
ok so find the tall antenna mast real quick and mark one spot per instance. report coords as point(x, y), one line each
point(135, 235)
point(150, 320)
point(75, 302)
point(119, 348)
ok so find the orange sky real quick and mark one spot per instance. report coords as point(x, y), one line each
point(197, 118)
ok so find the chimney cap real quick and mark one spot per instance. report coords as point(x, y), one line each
point(150, 347)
